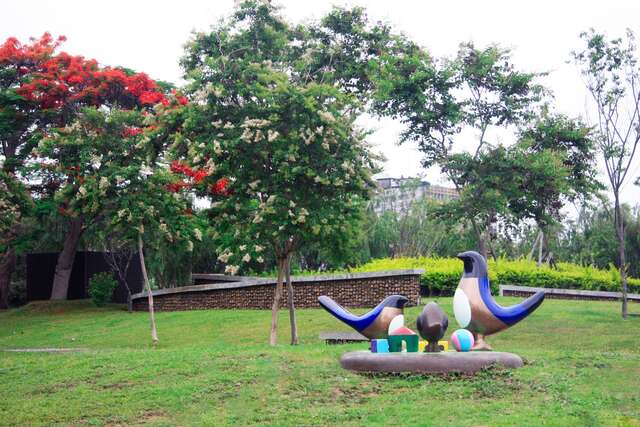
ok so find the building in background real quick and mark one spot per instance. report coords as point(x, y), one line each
point(398, 194)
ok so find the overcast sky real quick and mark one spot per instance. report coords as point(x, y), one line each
point(148, 36)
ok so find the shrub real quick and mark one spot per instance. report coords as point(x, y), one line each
point(442, 275)
point(101, 288)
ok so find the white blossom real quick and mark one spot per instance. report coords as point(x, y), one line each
point(82, 192)
point(224, 257)
point(231, 269)
point(217, 148)
point(96, 160)
point(326, 116)
point(246, 258)
point(210, 166)
point(260, 259)
point(104, 183)
point(247, 135)
point(255, 123)
point(217, 124)
point(253, 185)
point(258, 248)
point(242, 247)
point(272, 135)
point(189, 246)
point(198, 234)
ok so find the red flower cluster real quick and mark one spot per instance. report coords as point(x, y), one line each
point(196, 176)
point(131, 131)
point(175, 187)
point(221, 187)
point(55, 80)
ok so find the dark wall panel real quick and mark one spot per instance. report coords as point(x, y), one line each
point(41, 269)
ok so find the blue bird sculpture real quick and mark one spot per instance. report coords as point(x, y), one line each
point(375, 323)
point(476, 310)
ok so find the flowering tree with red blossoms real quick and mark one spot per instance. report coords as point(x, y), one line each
point(42, 89)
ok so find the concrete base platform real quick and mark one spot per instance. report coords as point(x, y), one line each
point(427, 363)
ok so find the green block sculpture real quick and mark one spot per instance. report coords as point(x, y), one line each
point(403, 334)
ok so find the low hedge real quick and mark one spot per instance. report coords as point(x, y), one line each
point(442, 275)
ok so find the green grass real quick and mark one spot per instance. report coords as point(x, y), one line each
point(215, 368)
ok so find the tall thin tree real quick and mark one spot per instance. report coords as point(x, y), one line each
point(612, 77)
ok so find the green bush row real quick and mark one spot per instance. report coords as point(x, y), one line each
point(442, 275)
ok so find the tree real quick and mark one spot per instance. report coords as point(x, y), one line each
point(507, 185)
point(18, 122)
point(119, 180)
point(286, 164)
point(43, 90)
point(611, 73)
point(480, 89)
point(573, 142)
point(588, 240)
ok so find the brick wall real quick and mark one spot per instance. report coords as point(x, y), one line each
point(355, 290)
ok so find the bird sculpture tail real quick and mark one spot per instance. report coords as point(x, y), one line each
point(360, 323)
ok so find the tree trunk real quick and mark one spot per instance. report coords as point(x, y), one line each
point(483, 248)
point(619, 223)
point(273, 336)
point(533, 247)
point(64, 265)
point(152, 319)
point(541, 243)
point(7, 265)
point(292, 309)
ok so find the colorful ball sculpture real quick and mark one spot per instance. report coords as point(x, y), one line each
point(462, 340)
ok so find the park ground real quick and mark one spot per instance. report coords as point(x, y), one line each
point(215, 368)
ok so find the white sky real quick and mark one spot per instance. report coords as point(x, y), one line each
point(148, 36)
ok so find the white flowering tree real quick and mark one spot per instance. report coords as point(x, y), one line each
point(104, 171)
point(293, 172)
point(286, 165)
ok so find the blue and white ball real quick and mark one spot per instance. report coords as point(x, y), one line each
point(462, 340)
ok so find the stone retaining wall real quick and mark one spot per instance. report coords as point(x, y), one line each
point(348, 290)
point(575, 294)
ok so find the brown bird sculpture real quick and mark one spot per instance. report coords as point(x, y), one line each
point(432, 323)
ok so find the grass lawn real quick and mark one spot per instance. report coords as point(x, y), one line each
point(215, 368)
